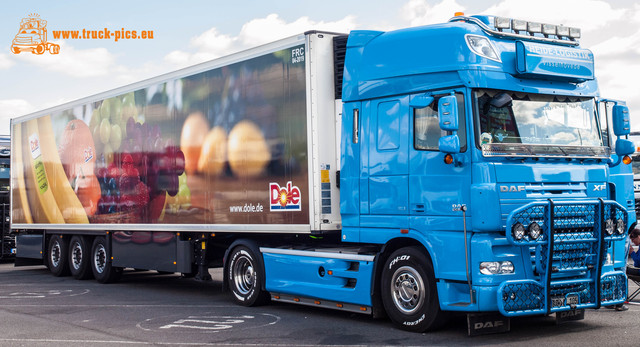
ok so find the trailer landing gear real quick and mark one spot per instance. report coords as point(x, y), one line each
point(201, 260)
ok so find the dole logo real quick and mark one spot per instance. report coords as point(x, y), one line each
point(284, 198)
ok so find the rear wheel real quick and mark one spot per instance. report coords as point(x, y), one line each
point(409, 291)
point(57, 256)
point(101, 265)
point(246, 275)
point(79, 259)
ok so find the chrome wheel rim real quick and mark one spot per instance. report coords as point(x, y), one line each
point(100, 258)
point(244, 276)
point(76, 255)
point(56, 253)
point(407, 290)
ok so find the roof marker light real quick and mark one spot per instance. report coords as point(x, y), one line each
point(574, 33)
point(562, 31)
point(519, 25)
point(502, 23)
point(548, 29)
point(534, 27)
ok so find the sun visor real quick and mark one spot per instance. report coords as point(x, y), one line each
point(535, 60)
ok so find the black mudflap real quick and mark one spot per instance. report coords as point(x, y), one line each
point(487, 323)
point(569, 316)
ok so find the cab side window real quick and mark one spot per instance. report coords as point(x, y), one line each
point(426, 126)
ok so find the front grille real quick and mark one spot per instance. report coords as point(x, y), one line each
point(573, 237)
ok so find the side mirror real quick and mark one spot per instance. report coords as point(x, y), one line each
point(449, 144)
point(624, 147)
point(448, 113)
point(421, 101)
point(620, 118)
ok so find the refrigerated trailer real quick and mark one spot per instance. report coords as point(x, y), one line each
point(454, 167)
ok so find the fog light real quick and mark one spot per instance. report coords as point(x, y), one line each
point(620, 227)
point(518, 231)
point(609, 226)
point(535, 230)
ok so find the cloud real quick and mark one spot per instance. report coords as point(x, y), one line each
point(12, 108)
point(419, 12)
point(74, 62)
point(212, 44)
point(5, 62)
point(584, 14)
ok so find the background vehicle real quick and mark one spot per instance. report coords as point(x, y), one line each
point(413, 172)
point(7, 237)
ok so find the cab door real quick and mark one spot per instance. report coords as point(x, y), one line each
point(435, 187)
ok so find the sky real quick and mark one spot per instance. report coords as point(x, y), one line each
point(192, 31)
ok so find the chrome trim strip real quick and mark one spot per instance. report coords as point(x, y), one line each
point(315, 254)
point(249, 228)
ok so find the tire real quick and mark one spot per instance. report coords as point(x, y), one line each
point(39, 49)
point(102, 269)
point(54, 49)
point(57, 256)
point(79, 258)
point(246, 277)
point(15, 50)
point(409, 293)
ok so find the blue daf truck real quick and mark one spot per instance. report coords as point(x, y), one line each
point(464, 167)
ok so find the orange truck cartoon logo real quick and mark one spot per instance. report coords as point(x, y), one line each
point(32, 36)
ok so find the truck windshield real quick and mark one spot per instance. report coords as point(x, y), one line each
point(523, 124)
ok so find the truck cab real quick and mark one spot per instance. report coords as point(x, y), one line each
point(479, 142)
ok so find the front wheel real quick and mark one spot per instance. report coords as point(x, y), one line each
point(245, 275)
point(409, 293)
point(101, 265)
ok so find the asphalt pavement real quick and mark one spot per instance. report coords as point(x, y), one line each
point(147, 308)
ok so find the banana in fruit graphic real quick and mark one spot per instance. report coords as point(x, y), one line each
point(66, 199)
point(42, 203)
point(21, 213)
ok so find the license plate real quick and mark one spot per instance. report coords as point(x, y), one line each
point(557, 302)
point(573, 299)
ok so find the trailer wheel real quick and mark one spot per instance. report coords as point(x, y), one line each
point(409, 293)
point(245, 275)
point(57, 256)
point(102, 269)
point(79, 259)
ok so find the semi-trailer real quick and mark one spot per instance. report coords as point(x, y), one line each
point(458, 167)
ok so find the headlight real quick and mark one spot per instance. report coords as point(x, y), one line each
point(518, 231)
point(481, 46)
point(609, 226)
point(620, 227)
point(535, 231)
point(496, 267)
